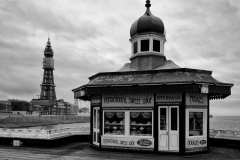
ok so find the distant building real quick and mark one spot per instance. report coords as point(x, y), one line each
point(5, 106)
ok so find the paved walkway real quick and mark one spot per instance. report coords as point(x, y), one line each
point(82, 151)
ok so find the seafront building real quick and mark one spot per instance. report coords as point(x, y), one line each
point(151, 104)
point(23, 107)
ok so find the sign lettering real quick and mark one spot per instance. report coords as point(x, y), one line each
point(196, 99)
point(144, 142)
point(169, 98)
point(115, 141)
point(127, 100)
point(196, 143)
point(127, 142)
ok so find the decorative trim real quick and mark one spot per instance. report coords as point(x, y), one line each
point(196, 107)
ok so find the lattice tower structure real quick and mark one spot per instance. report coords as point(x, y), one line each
point(48, 86)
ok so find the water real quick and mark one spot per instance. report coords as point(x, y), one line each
point(225, 123)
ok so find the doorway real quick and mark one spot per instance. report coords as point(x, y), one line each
point(96, 125)
point(168, 128)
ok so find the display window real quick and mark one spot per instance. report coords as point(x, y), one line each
point(114, 123)
point(195, 123)
point(128, 123)
point(140, 123)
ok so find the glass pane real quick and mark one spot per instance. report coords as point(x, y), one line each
point(163, 119)
point(195, 123)
point(156, 45)
point(94, 136)
point(145, 45)
point(114, 123)
point(174, 119)
point(135, 47)
point(141, 123)
point(94, 118)
point(98, 119)
point(98, 137)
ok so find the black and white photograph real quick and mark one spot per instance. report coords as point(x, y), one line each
point(119, 79)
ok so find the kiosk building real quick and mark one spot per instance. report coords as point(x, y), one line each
point(151, 104)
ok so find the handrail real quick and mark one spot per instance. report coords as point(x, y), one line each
point(43, 133)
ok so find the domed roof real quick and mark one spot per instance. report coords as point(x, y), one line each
point(147, 23)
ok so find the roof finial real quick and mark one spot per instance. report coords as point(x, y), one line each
point(148, 5)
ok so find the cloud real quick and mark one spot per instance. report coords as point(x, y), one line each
point(91, 36)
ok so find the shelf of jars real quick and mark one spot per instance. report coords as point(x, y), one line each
point(114, 128)
point(114, 123)
point(140, 129)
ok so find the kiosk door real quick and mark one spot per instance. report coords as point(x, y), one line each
point(96, 125)
point(168, 128)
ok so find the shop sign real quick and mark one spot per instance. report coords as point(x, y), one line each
point(168, 98)
point(196, 143)
point(128, 142)
point(144, 142)
point(96, 101)
point(196, 99)
point(145, 100)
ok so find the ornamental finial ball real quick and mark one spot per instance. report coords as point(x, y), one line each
point(148, 5)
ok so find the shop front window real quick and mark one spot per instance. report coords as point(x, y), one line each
point(195, 123)
point(141, 123)
point(114, 123)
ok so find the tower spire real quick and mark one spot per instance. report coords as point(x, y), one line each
point(48, 52)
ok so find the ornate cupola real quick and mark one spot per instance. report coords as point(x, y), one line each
point(48, 52)
point(147, 38)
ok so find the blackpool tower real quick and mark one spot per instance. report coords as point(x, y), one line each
point(48, 86)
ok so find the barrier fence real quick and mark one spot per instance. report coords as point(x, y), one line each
point(43, 133)
point(224, 134)
point(42, 118)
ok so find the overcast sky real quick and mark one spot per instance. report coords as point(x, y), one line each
point(91, 36)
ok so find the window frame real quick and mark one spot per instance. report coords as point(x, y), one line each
point(126, 125)
point(136, 42)
point(155, 39)
point(129, 134)
point(149, 43)
point(204, 111)
point(124, 122)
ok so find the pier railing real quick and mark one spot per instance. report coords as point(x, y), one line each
point(68, 131)
point(224, 134)
point(43, 133)
point(52, 118)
